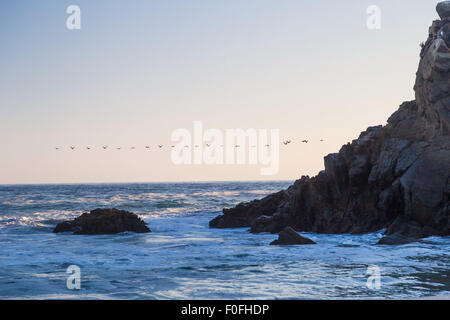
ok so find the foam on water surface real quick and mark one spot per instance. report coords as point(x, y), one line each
point(184, 259)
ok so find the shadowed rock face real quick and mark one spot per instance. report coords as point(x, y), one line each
point(104, 221)
point(290, 237)
point(395, 177)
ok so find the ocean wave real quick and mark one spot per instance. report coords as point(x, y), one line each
point(38, 219)
point(183, 258)
point(25, 200)
point(217, 193)
point(261, 191)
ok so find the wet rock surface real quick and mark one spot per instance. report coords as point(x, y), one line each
point(104, 221)
point(289, 236)
point(395, 176)
point(396, 239)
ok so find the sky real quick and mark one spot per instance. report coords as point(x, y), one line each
point(138, 70)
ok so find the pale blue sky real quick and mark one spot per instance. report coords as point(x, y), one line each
point(137, 70)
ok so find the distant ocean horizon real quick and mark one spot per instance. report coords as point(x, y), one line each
point(182, 258)
point(149, 182)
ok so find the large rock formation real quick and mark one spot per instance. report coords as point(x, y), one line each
point(395, 177)
point(104, 221)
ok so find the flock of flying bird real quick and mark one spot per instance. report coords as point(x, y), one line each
point(160, 146)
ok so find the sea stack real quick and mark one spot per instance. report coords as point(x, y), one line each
point(395, 176)
point(103, 221)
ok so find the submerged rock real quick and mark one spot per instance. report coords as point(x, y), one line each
point(290, 237)
point(104, 221)
point(398, 174)
point(396, 239)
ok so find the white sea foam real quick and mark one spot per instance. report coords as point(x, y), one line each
point(183, 258)
point(216, 193)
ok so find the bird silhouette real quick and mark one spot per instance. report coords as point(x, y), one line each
point(56, 148)
point(73, 148)
point(88, 148)
point(321, 140)
point(160, 146)
point(287, 142)
point(305, 141)
point(147, 147)
point(105, 147)
point(118, 148)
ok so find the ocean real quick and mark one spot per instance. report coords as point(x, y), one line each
point(184, 259)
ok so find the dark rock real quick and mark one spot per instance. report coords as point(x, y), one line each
point(443, 9)
point(396, 239)
point(65, 226)
point(290, 237)
point(262, 224)
point(104, 221)
point(243, 214)
point(273, 224)
point(395, 176)
point(404, 226)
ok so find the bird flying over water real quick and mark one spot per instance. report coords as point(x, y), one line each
point(305, 141)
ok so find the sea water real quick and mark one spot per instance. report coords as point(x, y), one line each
point(185, 259)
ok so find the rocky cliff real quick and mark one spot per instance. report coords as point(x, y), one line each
point(395, 176)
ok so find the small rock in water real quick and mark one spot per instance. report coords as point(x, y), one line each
point(291, 237)
point(443, 9)
point(396, 239)
point(104, 221)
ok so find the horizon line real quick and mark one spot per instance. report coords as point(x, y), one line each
point(144, 182)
